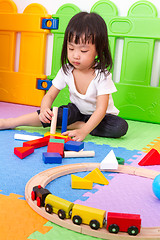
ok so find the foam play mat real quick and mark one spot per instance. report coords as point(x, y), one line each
point(124, 193)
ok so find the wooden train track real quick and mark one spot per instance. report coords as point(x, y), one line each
point(49, 175)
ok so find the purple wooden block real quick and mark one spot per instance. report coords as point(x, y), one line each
point(49, 157)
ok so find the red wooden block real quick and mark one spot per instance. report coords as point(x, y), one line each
point(37, 143)
point(151, 158)
point(56, 148)
point(58, 137)
point(23, 152)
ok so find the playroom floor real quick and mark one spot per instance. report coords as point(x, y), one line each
point(19, 221)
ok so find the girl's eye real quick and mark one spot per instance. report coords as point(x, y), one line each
point(71, 49)
point(84, 51)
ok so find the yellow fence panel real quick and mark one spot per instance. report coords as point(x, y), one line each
point(21, 87)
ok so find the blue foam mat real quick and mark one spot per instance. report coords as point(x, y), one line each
point(16, 172)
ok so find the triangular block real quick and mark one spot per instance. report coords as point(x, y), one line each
point(96, 176)
point(80, 183)
point(109, 162)
point(23, 152)
point(151, 158)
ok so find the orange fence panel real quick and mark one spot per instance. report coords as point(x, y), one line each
point(20, 87)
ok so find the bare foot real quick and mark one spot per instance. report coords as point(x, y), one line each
point(4, 124)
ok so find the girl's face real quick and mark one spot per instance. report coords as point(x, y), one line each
point(81, 55)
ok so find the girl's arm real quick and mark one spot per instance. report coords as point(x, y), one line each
point(45, 111)
point(93, 121)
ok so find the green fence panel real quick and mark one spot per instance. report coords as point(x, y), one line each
point(136, 98)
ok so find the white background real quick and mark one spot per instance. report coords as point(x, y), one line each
point(85, 5)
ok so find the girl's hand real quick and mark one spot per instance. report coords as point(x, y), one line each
point(77, 134)
point(45, 115)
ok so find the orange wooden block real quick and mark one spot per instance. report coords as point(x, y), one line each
point(23, 152)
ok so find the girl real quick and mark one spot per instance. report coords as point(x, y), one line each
point(85, 60)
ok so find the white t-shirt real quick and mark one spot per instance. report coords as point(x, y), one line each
point(86, 103)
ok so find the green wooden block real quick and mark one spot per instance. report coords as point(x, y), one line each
point(120, 160)
point(57, 140)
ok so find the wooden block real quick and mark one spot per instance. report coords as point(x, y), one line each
point(73, 146)
point(49, 157)
point(109, 162)
point(23, 152)
point(73, 154)
point(151, 158)
point(57, 140)
point(80, 183)
point(54, 120)
point(97, 177)
point(25, 137)
point(64, 120)
point(58, 136)
point(41, 142)
point(56, 148)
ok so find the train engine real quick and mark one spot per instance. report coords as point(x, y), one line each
point(39, 193)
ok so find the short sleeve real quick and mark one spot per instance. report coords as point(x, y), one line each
point(59, 80)
point(105, 85)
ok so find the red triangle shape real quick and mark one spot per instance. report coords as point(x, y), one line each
point(151, 158)
point(23, 152)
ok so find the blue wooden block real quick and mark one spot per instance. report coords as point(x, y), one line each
point(64, 120)
point(73, 146)
point(49, 157)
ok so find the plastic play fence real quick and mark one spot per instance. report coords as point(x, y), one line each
point(136, 98)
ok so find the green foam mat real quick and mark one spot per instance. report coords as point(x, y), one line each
point(138, 136)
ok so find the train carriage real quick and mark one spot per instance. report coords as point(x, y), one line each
point(94, 217)
point(62, 207)
point(123, 222)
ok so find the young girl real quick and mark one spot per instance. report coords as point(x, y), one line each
point(85, 60)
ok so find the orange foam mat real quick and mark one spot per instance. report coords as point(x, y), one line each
point(19, 221)
point(154, 144)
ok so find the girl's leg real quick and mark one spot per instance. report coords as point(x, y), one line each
point(30, 119)
point(111, 126)
point(74, 116)
point(76, 125)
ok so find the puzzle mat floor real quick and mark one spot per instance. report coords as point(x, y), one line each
point(123, 194)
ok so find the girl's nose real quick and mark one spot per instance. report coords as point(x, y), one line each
point(76, 55)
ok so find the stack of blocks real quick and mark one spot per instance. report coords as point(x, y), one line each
point(57, 143)
point(56, 147)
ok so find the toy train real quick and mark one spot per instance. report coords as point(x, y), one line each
point(95, 218)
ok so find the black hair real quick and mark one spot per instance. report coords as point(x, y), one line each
point(93, 27)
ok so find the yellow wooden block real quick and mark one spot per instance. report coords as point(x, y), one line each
point(55, 135)
point(96, 176)
point(80, 183)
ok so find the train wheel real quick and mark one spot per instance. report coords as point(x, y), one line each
point(70, 213)
point(61, 214)
point(38, 202)
point(77, 220)
point(133, 230)
point(113, 228)
point(49, 208)
point(33, 195)
point(94, 224)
